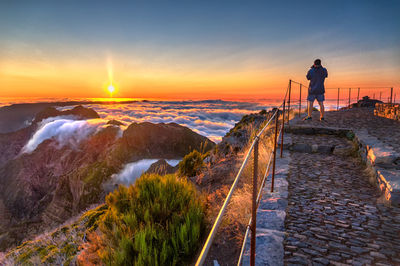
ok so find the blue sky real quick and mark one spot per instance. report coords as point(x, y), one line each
point(198, 39)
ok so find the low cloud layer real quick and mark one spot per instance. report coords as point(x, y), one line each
point(64, 130)
point(132, 171)
point(212, 118)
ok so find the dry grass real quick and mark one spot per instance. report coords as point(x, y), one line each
point(228, 242)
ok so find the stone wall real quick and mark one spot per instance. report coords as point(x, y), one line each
point(391, 111)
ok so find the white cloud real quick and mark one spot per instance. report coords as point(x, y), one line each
point(132, 171)
point(212, 118)
point(64, 131)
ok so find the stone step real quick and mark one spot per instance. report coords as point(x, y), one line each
point(376, 152)
point(382, 159)
point(317, 130)
point(289, 144)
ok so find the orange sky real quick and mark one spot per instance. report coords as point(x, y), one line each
point(74, 78)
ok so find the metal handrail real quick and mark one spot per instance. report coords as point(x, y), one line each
point(210, 238)
point(258, 202)
point(202, 257)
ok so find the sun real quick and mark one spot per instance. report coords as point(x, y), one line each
point(111, 89)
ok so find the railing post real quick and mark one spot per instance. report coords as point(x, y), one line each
point(300, 101)
point(273, 164)
point(391, 95)
point(349, 95)
point(373, 96)
point(254, 207)
point(338, 91)
point(358, 94)
point(380, 96)
point(283, 127)
point(394, 99)
point(288, 111)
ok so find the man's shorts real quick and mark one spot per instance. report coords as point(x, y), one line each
point(319, 97)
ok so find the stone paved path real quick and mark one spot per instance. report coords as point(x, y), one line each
point(334, 215)
point(386, 130)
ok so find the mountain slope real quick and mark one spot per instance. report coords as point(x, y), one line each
point(54, 182)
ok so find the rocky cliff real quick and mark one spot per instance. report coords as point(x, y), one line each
point(52, 183)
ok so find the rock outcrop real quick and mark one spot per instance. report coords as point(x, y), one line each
point(240, 134)
point(161, 167)
point(79, 112)
point(148, 140)
point(364, 102)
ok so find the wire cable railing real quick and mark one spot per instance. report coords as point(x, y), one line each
point(256, 195)
point(343, 96)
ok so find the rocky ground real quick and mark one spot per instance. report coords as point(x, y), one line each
point(334, 215)
point(386, 130)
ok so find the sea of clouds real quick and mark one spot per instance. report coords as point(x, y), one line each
point(210, 118)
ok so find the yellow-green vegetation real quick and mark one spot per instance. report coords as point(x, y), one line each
point(59, 247)
point(94, 175)
point(97, 172)
point(91, 218)
point(192, 163)
point(158, 221)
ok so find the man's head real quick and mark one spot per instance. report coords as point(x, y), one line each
point(317, 62)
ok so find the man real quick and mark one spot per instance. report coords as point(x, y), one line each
point(316, 75)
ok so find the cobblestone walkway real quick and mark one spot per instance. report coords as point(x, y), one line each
point(386, 130)
point(334, 215)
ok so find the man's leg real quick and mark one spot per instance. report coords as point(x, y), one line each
point(310, 107)
point(322, 109)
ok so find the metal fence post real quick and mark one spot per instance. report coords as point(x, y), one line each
point(254, 206)
point(288, 111)
point(283, 127)
point(391, 95)
point(349, 95)
point(338, 92)
point(273, 164)
point(373, 96)
point(358, 94)
point(380, 96)
point(300, 101)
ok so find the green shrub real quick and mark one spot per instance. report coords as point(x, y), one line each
point(91, 217)
point(191, 164)
point(157, 221)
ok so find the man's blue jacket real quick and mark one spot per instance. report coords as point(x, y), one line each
point(316, 76)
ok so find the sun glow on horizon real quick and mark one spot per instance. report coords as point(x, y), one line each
point(111, 90)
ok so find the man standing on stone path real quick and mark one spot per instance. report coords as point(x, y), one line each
point(316, 90)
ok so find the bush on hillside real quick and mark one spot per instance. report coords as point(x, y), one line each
point(158, 221)
point(191, 164)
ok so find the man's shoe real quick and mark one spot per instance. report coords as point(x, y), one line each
point(322, 119)
point(307, 118)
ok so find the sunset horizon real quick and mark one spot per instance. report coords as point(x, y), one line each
point(199, 133)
